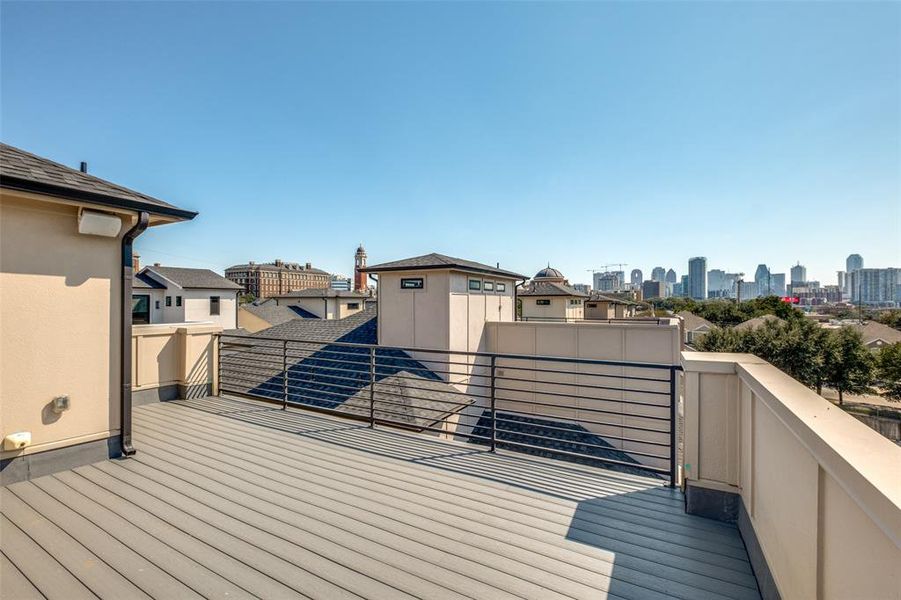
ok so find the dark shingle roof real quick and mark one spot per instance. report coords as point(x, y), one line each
point(597, 297)
point(24, 171)
point(336, 376)
point(301, 312)
point(547, 288)
point(440, 261)
point(359, 328)
point(143, 282)
point(693, 321)
point(272, 313)
point(193, 278)
point(873, 331)
point(322, 293)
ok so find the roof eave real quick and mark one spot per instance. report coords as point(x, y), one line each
point(443, 267)
point(47, 189)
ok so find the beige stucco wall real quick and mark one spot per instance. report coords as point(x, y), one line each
point(173, 355)
point(250, 322)
point(559, 309)
point(822, 490)
point(327, 308)
point(59, 317)
point(646, 342)
point(197, 307)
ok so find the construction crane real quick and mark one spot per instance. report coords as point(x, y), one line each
point(606, 268)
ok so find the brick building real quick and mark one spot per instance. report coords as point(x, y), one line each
point(265, 280)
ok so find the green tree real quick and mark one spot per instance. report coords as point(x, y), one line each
point(796, 346)
point(246, 298)
point(848, 365)
point(888, 369)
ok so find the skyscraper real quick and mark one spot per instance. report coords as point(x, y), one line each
point(697, 277)
point(777, 284)
point(762, 280)
point(798, 274)
point(671, 277)
point(716, 283)
point(658, 274)
point(853, 263)
point(636, 277)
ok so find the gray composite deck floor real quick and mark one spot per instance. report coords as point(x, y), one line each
point(230, 498)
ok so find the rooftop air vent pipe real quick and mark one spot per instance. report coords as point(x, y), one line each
point(84, 167)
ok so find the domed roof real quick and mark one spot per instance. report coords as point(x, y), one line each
point(548, 273)
point(360, 249)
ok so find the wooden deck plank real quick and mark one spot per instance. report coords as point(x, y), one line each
point(610, 521)
point(682, 561)
point(480, 573)
point(324, 547)
point(99, 577)
point(649, 570)
point(245, 565)
point(13, 584)
point(165, 558)
point(43, 570)
point(142, 573)
point(233, 498)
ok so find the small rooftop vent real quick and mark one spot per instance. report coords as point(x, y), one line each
point(84, 167)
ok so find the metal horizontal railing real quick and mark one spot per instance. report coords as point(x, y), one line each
point(618, 414)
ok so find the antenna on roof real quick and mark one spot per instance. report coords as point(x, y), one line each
point(84, 167)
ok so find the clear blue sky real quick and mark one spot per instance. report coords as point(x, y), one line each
point(576, 134)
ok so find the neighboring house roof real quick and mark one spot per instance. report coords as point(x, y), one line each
point(23, 171)
point(693, 322)
point(596, 297)
point(873, 332)
point(272, 313)
point(301, 312)
point(440, 261)
point(359, 328)
point(322, 293)
point(192, 278)
point(549, 288)
point(337, 377)
point(758, 322)
point(142, 281)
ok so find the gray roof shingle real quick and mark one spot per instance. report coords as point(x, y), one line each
point(143, 282)
point(359, 328)
point(440, 261)
point(548, 288)
point(322, 293)
point(272, 313)
point(24, 171)
point(193, 278)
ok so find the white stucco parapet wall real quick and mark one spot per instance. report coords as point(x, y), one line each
point(821, 490)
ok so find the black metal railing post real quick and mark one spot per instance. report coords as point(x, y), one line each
point(493, 403)
point(285, 375)
point(372, 386)
point(672, 427)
